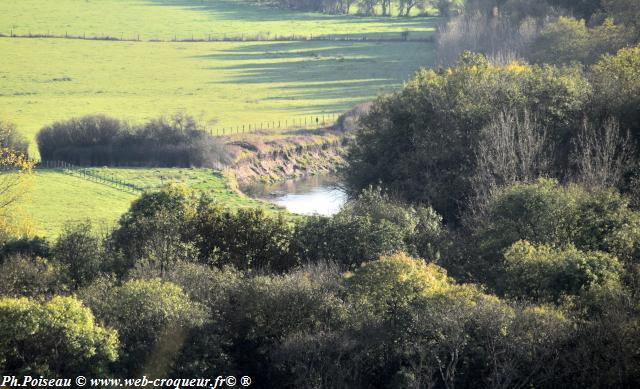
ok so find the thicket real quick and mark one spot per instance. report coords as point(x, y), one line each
point(178, 141)
point(453, 136)
point(372, 7)
point(289, 303)
point(548, 31)
point(492, 239)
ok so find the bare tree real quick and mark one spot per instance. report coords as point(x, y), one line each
point(494, 35)
point(512, 147)
point(601, 153)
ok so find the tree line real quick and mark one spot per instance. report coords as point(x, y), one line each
point(547, 31)
point(370, 297)
point(453, 136)
point(98, 140)
point(372, 7)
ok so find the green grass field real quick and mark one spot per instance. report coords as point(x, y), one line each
point(231, 83)
point(184, 19)
point(223, 84)
point(56, 198)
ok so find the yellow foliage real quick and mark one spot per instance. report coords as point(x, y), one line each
point(517, 67)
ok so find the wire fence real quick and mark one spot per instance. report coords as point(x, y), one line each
point(310, 122)
point(404, 36)
point(90, 175)
point(307, 122)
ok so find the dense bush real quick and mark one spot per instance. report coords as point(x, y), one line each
point(367, 227)
point(422, 143)
point(246, 239)
point(32, 276)
point(549, 214)
point(412, 326)
point(57, 338)
point(148, 315)
point(31, 247)
point(103, 141)
point(547, 273)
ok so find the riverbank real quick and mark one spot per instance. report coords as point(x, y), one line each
point(267, 158)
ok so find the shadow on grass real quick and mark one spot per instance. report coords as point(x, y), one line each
point(334, 75)
point(225, 10)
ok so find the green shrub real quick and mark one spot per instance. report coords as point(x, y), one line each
point(547, 213)
point(547, 273)
point(371, 225)
point(81, 252)
point(58, 338)
point(24, 276)
point(246, 239)
point(421, 143)
point(148, 315)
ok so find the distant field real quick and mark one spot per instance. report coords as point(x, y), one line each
point(223, 84)
point(183, 19)
point(233, 83)
point(56, 198)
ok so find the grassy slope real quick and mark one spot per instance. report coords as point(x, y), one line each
point(56, 198)
point(166, 19)
point(234, 83)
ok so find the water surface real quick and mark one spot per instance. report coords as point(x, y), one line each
point(307, 196)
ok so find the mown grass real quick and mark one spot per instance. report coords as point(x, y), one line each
point(184, 19)
point(223, 83)
point(56, 198)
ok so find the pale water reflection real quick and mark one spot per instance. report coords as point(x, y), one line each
point(307, 196)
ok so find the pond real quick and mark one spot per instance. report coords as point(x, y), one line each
point(307, 196)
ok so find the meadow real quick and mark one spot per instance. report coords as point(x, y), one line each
point(56, 198)
point(222, 84)
point(186, 19)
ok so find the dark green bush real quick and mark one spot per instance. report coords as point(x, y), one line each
point(103, 141)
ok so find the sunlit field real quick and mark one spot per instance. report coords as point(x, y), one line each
point(222, 83)
point(186, 19)
point(56, 198)
point(225, 85)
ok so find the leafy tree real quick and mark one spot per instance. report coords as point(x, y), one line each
point(421, 143)
point(152, 319)
point(81, 252)
point(26, 276)
point(58, 338)
point(153, 231)
point(547, 273)
point(245, 239)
